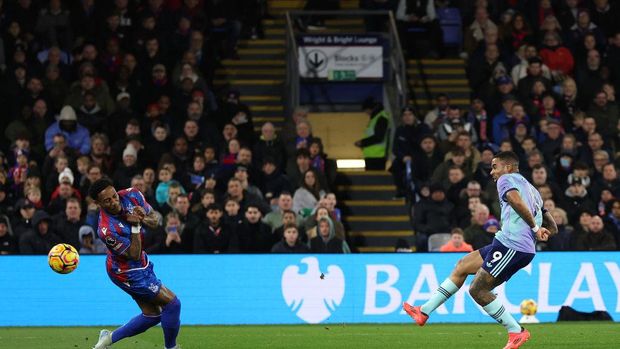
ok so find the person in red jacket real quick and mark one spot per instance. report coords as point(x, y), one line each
point(557, 57)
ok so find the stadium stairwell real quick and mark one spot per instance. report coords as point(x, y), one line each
point(374, 220)
point(428, 77)
point(259, 73)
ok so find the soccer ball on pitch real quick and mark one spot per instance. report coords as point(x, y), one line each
point(63, 258)
point(529, 307)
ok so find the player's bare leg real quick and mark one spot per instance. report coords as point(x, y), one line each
point(480, 291)
point(170, 315)
point(466, 266)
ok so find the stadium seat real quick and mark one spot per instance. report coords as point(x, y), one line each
point(435, 241)
point(451, 24)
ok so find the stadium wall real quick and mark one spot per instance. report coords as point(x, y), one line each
point(288, 289)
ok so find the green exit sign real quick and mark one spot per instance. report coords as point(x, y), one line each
point(341, 75)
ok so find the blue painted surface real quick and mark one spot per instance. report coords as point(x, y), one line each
point(255, 289)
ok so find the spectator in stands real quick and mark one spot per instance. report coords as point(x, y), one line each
point(612, 220)
point(187, 222)
point(597, 238)
point(311, 223)
point(436, 116)
point(557, 57)
point(479, 217)
point(452, 125)
point(302, 139)
point(374, 145)
point(60, 163)
point(273, 182)
point(129, 168)
point(481, 75)
point(561, 240)
point(68, 223)
point(321, 163)
point(291, 242)
point(8, 244)
point(503, 119)
point(41, 237)
point(482, 174)
point(326, 240)
point(174, 190)
point(309, 193)
point(590, 77)
point(22, 221)
point(605, 113)
point(274, 218)
point(253, 235)
point(236, 192)
point(212, 236)
point(441, 173)
point(239, 115)
point(78, 137)
point(406, 145)
point(464, 142)
point(241, 173)
point(299, 114)
point(269, 145)
point(609, 181)
point(90, 244)
point(421, 16)
point(427, 160)
point(518, 32)
point(577, 199)
point(478, 116)
point(233, 216)
point(475, 32)
point(534, 73)
point(584, 26)
point(64, 191)
point(431, 216)
point(553, 140)
point(225, 18)
point(456, 243)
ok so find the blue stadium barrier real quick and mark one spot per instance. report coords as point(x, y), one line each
point(288, 289)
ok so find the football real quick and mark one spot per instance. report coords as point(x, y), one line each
point(529, 307)
point(63, 258)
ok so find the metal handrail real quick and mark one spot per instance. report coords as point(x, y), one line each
point(399, 66)
point(292, 66)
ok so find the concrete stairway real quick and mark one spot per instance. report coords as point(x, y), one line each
point(374, 220)
point(428, 77)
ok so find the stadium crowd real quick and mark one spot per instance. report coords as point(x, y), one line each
point(544, 76)
point(123, 89)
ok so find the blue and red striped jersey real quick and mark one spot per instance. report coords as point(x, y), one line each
point(115, 232)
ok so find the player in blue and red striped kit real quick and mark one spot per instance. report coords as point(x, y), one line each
point(120, 228)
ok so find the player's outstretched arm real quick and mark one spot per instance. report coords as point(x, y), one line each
point(514, 200)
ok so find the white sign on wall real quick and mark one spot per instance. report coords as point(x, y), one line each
point(340, 57)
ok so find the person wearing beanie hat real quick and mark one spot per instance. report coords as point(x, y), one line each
point(524, 222)
point(129, 168)
point(77, 136)
point(66, 176)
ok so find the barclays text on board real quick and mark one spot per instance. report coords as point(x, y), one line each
point(287, 289)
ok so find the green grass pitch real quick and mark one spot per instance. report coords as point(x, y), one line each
point(479, 336)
